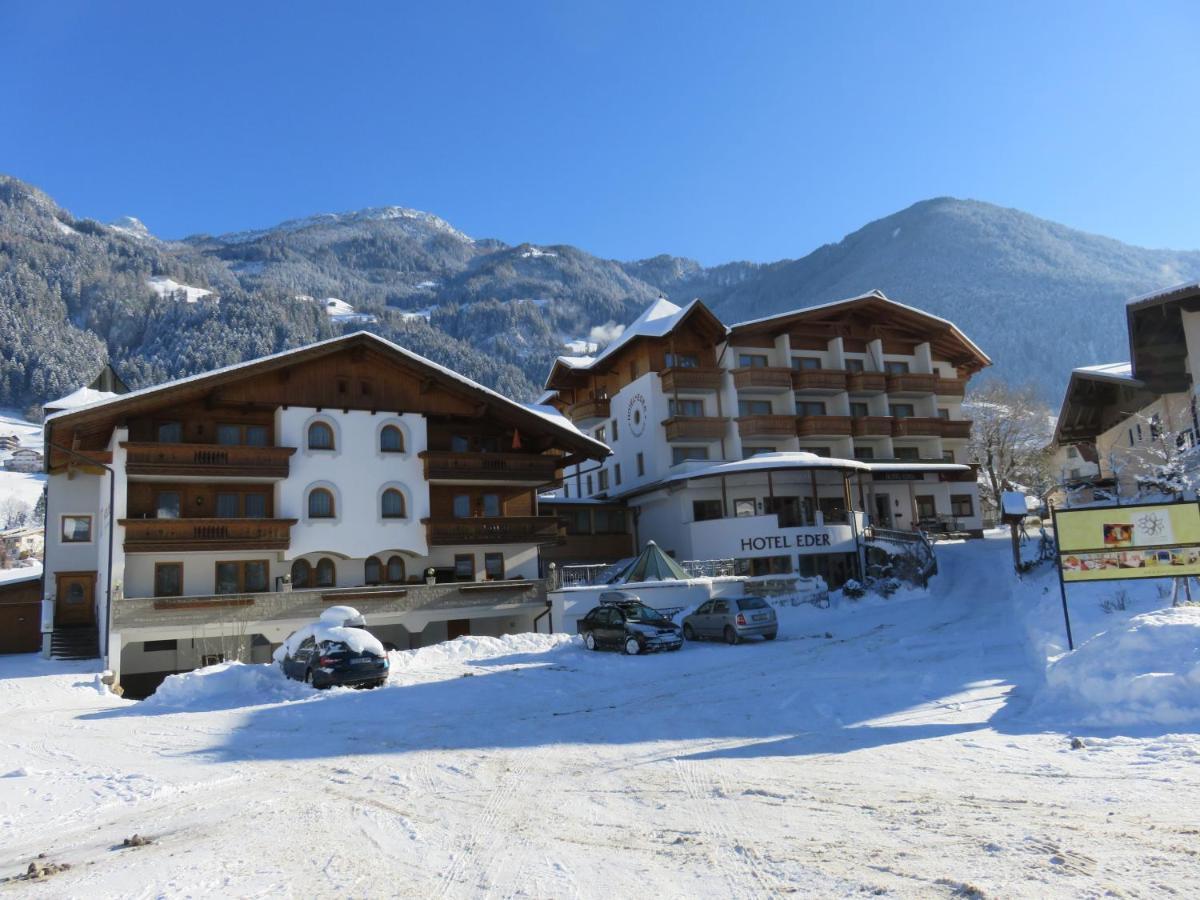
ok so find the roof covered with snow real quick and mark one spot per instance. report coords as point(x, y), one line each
point(1121, 370)
point(84, 396)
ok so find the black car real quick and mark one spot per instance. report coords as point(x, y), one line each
point(625, 623)
point(329, 662)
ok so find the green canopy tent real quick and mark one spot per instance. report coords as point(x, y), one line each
point(651, 565)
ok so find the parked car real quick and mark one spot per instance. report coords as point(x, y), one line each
point(732, 619)
point(336, 650)
point(623, 622)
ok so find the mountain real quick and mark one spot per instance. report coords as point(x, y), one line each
point(74, 292)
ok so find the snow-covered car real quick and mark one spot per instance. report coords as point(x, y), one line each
point(623, 622)
point(732, 619)
point(336, 649)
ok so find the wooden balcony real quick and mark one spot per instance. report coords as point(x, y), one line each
point(823, 426)
point(763, 379)
point(916, 426)
point(169, 535)
point(866, 382)
point(589, 410)
point(766, 426)
point(496, 468)
point(208, 460)
point(912, 383)
point(507, 530)
point(825, 381)
point(695, 428)
point(956, 428)
point(950, 387)
point(872, 426)
point(691, 379)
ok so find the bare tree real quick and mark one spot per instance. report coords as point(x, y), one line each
point(1010, 434)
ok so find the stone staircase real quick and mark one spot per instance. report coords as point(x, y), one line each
point(80, 642)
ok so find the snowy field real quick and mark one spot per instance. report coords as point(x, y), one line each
point(904, 747)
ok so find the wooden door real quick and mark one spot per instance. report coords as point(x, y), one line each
point(75, 599)
point(456, 628)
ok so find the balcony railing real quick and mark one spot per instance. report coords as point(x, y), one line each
point(912, 383)
point(956, 428)
point(916, 426)
point(866, 382)
point(531, 468)
point(872, 426)
point(217, 460)
point(691, 379)
point(508, 530)
point(589, 410)
point(823, 426)
point(166, 535)
point(766, 426)
point(826, 380)
point(762, 378)
point(951, 387)
point(685, 428)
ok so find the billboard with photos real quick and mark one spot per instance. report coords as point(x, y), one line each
point(1160, 540)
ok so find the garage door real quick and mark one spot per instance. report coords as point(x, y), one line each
point(20, 627)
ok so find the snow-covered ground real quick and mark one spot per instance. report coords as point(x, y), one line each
point(878, 747)
point(169, 287)
point(23, 487)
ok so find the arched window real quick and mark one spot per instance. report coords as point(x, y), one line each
point(320, 504)
point(372, 571)
point(326, 573)
point(301, 574)
point(320, 436)
point(391, 439)
point(393, 504)
point(395, 570)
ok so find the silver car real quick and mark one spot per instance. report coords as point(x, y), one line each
point(731, 619)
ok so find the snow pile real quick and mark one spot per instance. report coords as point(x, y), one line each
point(170, 289)
point(476, 648)
point(1143, 671)
point(227, 686)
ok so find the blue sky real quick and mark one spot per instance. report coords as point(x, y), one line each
point(739, 131)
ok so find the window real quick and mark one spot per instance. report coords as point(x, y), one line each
point(601, 434)
point(393, 504)
point(76, 529)
point(752, 360)
point(1072, 453)
point(242, 577)
point(578, 521)
point(1075, 473)
point(160, 646)
point(943, 413)
point(682, 454)
point(320, 504)
point(609, 521)
point(462, 506)
point(301, 574)
point(169, 432)
point(704, 510)
point(320, 436)
point(748, 452)
point(326, 573)
point(227, 506)
point(391, 439)
point(617, 473)
point(855, 365)
point(907, 453)
point(459, 444)
point(229, 434)
point(902, 410)
point(614, 429)
point(491, 505)
point(256, 436)
point(682, 361)
point(895, 367)
point(1131, 441)
point(806, 362)
point(810, 408)
point(948, 456)
point(641, 465)
point(395, 570)
point(754, 407)
point(743, 508)
point(962, 506)
point(168, 579)
point(864, 452)
point(464, 566)
point(817, 451)
point(859, 410)
point(493, 566)
point(1155, 427)
point(255, 506)
point(685, 407)
point(602, 479)
point(372, 570)
point(926, 508)
point(590, 490)
point(166, 505)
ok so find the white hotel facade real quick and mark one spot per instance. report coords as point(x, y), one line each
point(776, 442)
